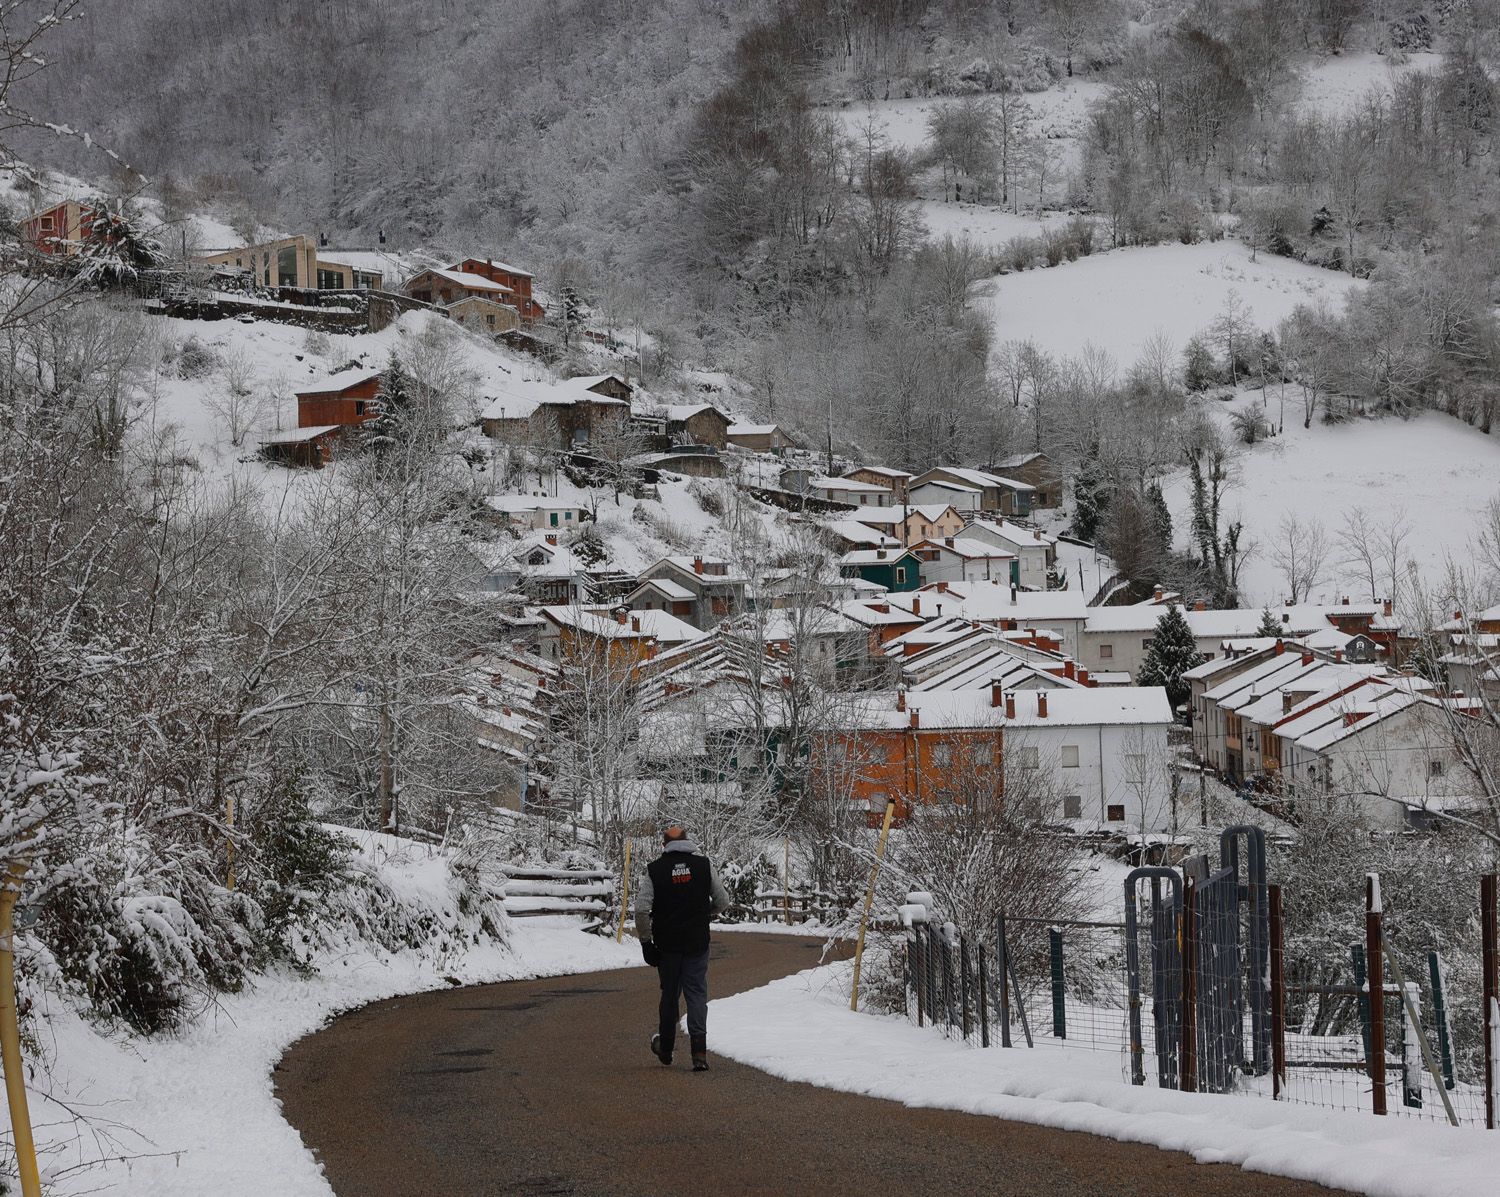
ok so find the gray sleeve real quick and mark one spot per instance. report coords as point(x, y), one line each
point(720, 900)
point(645, 897)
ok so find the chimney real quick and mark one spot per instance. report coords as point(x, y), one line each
point(996, 694)
point(620, 616)
point(698, 565)
point(1338, 655)
point(942, 587)
point(541, 682)
point(1200, 605)
point(1157, 593)
point(1346, 600)
point(381, 236)
point(1351, 718)
point(1280, 648)
point(1083, 677)
point(1041, 704)
point(948, 540)
point(1286, 701)
point(1014, 593)
point(1457, 615)
point(901, 698)
point(651, 647)
point(916, 718)
point(940, 610)
point(635, 623)
point(1306, 658)
point(551, 539)
point(1010, 706)
point(1070, 670)
point(916, 604)
point(1386, 607)
point(1286, 617)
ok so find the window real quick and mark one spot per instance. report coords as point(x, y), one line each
point(490, 320)
point(330, 280)
point(1026, 758)
point(1146, 643)
point(1115, 812)
point(286, 267)
point(1434, 768)
point(900, 575)
point(359, 407)
point(1070, 757)
point(567, 515)
point(942, 756)
point(1106, 652)
point(1072, 807)
point(47, 225)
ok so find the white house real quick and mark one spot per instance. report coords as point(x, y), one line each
point(537, 511)
point(1035, 551)
point(957, 559)
point(850, 491)
point(962, 498)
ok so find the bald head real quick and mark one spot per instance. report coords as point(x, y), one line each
point(673, 832)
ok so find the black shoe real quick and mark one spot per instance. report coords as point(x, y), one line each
point(664, 1056)
point(700, 1053)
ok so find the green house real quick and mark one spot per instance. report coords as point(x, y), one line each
point(894, 568)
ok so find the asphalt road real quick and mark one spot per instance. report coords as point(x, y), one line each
point(547, 1088)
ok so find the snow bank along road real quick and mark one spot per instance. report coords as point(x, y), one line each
point(546, 1087)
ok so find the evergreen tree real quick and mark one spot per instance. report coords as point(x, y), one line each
point(573, 312)
point(1268, 624)
point(1090, 500)
point(1160, 516)
point(1172, 653)
point(116, 247)
point(1199, 371)
point(393, 403)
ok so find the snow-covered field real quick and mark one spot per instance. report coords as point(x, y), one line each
point(1437, 471)
point(194, 1114)
point(1337, 86)
point(989, 227)
point(1119, 300)
point(800, 1028)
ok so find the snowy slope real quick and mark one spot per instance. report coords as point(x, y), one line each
point(1118, 300)
point(1432, 467)
point(1337, 86)
point(195, 1114)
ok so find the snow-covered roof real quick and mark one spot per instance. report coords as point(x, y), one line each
point(497, 265)
point(298, 435)
point(341, 380)
point(1021, 537)
point(875, 516)
point(989, 601)
point(676, 412)
point(519, 504)
point(956, 487)
point(518, 398)
point(967, 548)
point(889, 556)
point(470, 282)
point(976, 708)
point(849, 485)
point(861, 532)
point(982, 479)
point(1020, 459)
point(753, 429)
point(667, 588)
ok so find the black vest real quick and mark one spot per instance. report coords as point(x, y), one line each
point(681, 901)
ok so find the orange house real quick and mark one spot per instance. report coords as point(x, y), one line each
point(954, 754)
point(347, 398)
point(513, 277)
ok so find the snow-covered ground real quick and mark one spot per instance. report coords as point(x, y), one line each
point(1437, 471)
point(1337, 86)
point(194, 1113)
point(1119, 300)
point(800, 1028)
point(986, 226)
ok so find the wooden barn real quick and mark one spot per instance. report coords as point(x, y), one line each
point(310, 447)
point(343, 398)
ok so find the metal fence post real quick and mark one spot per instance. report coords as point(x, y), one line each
point(1278, 995)
point(1188, 1067)
point(1059, 992)
point(1439, 977)
point(919, 973)
point(1375, 985)
point(1357, 960)
point(963, 985)
point(1002, 969)
point(1411, 1052)
point(984, 997)
point(1489, 918)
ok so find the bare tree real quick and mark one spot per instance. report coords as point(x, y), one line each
point(1300, 551)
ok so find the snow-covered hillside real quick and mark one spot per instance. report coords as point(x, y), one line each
point(1117, 301)
point(1432, 470)
point(1337, 86)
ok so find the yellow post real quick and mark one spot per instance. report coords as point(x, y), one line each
point(624, 893)
point(859, 948)
point(10, 1037)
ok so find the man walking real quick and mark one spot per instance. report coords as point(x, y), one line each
point(672, 912)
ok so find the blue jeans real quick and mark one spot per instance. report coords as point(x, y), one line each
point(684, 975)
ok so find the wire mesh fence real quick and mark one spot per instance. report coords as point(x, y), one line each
point(1191, 992)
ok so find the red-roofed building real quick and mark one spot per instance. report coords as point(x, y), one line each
point(60, 229)
point(344, 398)
point(513, 278)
